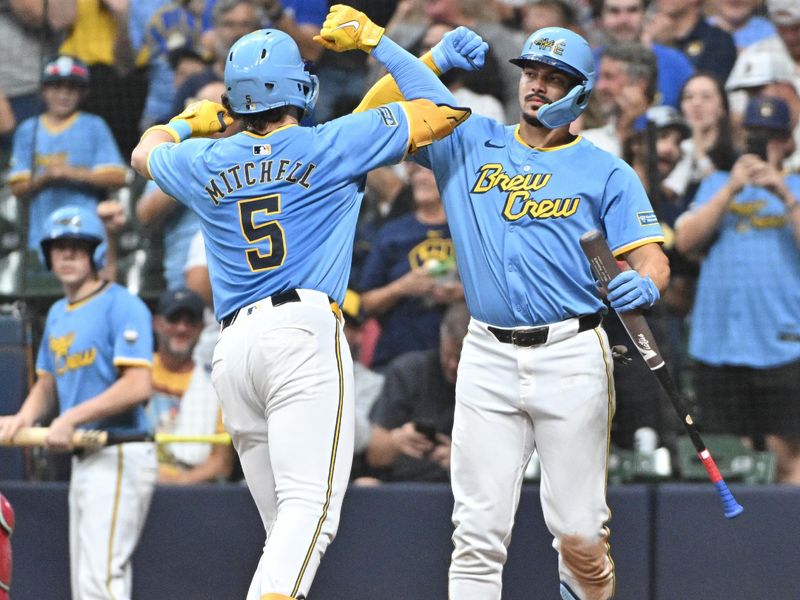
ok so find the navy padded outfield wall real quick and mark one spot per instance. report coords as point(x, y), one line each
point(14, 357)
point(669, 542)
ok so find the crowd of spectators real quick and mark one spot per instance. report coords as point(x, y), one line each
point(700, 97)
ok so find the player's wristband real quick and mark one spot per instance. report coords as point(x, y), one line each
point(428, 59)
point(439, 59)
point(169, 129)
point(181, 127)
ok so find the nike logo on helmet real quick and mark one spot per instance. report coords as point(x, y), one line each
point(489, 144)
point(354, 24)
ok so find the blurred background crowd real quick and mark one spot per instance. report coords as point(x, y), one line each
point(687, 92)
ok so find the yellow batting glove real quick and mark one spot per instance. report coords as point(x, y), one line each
point(201, 119)
point(346, 28)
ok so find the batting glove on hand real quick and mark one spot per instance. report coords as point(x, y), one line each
point(346, 28)
point(461, 48)
point(201, 119)
point(629, 291)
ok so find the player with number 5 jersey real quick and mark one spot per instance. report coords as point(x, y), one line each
point(278, 205)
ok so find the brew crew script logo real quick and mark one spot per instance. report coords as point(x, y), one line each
point(66, 361)
point(522, 197)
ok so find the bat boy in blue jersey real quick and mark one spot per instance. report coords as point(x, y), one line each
point(278, 205)
point(94, 363)
point(536, 369)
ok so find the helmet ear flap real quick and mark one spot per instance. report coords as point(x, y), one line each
point(75, 222)
point(583, 98)
point(313, 94)
point(264, 70)
point(97, 252)
point(567, 109)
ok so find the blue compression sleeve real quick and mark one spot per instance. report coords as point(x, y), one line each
point(414, 79)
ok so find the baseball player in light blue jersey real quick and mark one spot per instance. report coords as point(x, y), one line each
point(536, 369)
point(94, 362)
point(64, 156)
point(278, 205)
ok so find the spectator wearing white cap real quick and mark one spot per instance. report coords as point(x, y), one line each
point(786, 16)
point(771, 67)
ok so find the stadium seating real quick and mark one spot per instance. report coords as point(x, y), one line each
point(736, 461)
point(140, 252)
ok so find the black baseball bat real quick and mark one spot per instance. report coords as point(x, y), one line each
point(605, 268)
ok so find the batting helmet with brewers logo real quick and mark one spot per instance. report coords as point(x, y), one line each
point(264, 70)
point(568, 52)
point(77, 223)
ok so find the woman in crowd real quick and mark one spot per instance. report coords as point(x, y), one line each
point(704, 105)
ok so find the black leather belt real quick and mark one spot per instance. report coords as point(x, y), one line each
point(284, 297)
point(277, 300)
point(534, 336)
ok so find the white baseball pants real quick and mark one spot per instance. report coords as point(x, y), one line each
point(109, 497)
point(558, 398)
point(284, 376)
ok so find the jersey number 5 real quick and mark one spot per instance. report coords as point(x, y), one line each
point(258, 233)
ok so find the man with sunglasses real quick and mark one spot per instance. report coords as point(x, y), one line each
point(183, 400)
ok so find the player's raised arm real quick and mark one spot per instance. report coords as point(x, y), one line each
point(460, 48)
point(431, 107)
point(199, 119)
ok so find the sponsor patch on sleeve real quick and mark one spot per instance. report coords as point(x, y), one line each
point(388, 116)
point(647, 218)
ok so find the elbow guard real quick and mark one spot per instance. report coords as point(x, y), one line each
point(429, 122)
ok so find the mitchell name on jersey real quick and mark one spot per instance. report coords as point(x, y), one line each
point(252, 173)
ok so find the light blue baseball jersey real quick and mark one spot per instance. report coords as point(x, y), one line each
point(747, 307)
point(279, 211)
point(86, 343)
point(516, 214)
point(84, 140)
